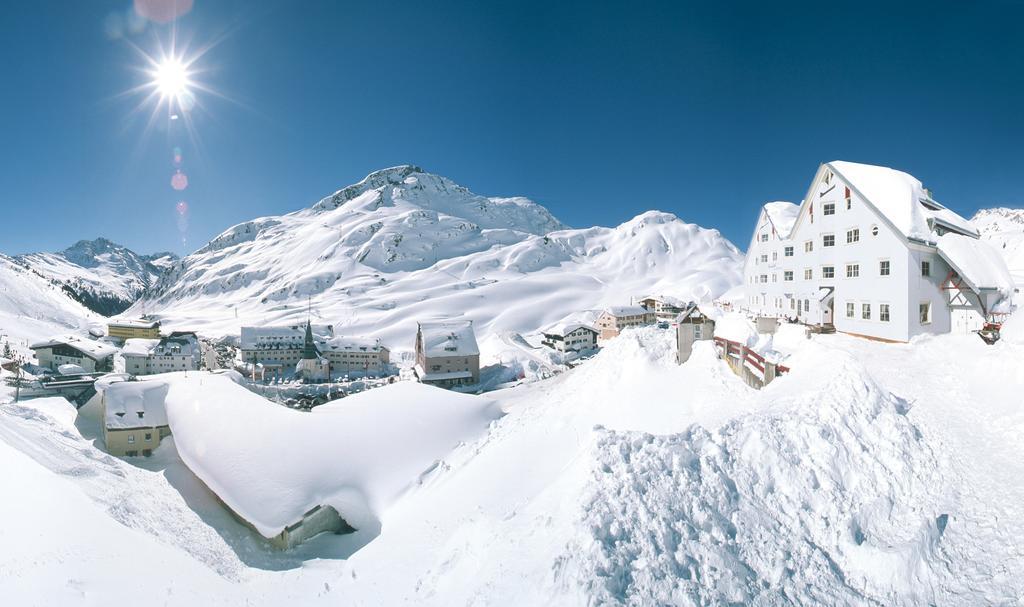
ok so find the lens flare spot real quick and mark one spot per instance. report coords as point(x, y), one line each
point(181, 208)
point(179, 181)
point(162, 11)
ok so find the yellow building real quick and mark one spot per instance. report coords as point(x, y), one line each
point(134, 329)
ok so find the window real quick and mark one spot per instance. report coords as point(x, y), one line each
point(853, 236)
point(865, 311)
point(775, 277)
point(764, 279)
point(829, 208)
point(775, 255)
point(874, 230)
point(764, 258)
point(849, 309)
point(808, 246)
point(788, 252)
point(852, 270)
point(764, 237)
point(131, 439)
point(925, 312)
point(883, 312)
point(792, 304)
point(807, 305)
point(808, 274)
point(787, 275)
point(698, 331)
point(926, 268)
point(149, 436)
point(849, 203)
point(828, 271)
point(828, 240)
point(883, 267)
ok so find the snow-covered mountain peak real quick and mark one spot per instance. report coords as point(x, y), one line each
point(1001, 219)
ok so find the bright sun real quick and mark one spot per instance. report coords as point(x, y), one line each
point(171, 78)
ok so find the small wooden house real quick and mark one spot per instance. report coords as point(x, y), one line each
point(692, 325)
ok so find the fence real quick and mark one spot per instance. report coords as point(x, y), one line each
point(750, 366)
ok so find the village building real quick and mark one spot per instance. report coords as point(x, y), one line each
point(447, 354)
point(570, 337)
point(665, 308)
point(140, 328)
point(613, 320)
point(692, 325)
point(275, 349)
point(869, 252)
point(87, 354)
point(178, 352)
point(134, 417)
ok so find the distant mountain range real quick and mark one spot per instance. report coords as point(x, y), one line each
point(405, 245)
point(103, 276)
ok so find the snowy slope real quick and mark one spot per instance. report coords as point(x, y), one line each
point(404, 245)
point(872, 474)
point(103, 276)
point(33, 308)
point(1004, 229)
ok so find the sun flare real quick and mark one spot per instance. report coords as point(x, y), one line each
point(171, 78)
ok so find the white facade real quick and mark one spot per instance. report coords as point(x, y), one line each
point(613, 320)
point(867, 264)
point(166, 355)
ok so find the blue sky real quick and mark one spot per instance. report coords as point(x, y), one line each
point(599, 111)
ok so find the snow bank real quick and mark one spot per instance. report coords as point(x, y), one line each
point(271, 464)
point(736, 327)
point(828, 495)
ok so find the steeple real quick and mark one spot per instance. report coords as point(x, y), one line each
point(309, 351)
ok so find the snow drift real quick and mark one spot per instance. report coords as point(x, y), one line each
point(271, 464)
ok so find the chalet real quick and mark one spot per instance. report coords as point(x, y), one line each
point(613, 320)
point(88, 354)
point(178, 352)
point(134, 418)
point(140, 328)
point(570, 337)
point(447, 354)
point(692, 324)
point(870, 252)
point(665, 308)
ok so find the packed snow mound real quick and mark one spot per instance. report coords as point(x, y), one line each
point(104, 276)
point(404, 245)
point(828, 495)
point(1004, 229)
point(272, 464)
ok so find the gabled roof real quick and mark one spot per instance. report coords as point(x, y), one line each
point(449, 338)
point(134, 404)
point(566, 328)
point(93, 349)
point(134, 323)
point(782, 215)
point(901, 200)
point(626, 311)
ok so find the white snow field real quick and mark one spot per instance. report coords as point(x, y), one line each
point(404, 245)
point(871, 474)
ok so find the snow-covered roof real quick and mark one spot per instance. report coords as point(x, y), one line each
point(977, 262)
point(271, 464)
point(139, 347)
point(449, 338)
point(901, 199)
point(619, 311)
point(93, 349)
point(567, 327)
point(352, 344)
point(783, 215)
point(134, 323)
point(259, 337)
point(134, 404)
point(665, 299)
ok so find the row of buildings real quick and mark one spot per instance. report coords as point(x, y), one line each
point(313, 352)
point(610, 322)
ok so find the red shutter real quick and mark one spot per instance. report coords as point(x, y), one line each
point(847, 192)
